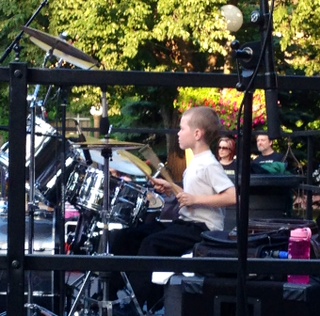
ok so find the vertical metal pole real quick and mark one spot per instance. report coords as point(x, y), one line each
point(59, 276)
point(271, 80)
point(309, 193)
point(243, 216)
point(16, 190)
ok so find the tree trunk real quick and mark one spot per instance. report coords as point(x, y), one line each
point(176, 165)
point(175, 156)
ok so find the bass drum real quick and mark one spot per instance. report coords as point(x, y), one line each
point(47, 149)
point(46, 143)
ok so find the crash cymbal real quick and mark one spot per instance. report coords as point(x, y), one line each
point(61, 49)
point(141, 165)
point(121, 163)
point(97, 143)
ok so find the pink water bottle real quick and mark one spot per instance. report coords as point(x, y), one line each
point(299, 248)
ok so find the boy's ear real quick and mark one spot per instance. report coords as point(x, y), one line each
point(198, 133)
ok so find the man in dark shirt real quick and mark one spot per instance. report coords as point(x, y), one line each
point(267, 154)
point(271, 162)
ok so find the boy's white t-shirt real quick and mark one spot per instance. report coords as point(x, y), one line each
point(205, 176)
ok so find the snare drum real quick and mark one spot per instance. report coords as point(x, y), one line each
point(129, 204)
point(155, 206)
point(91, 193)
point(156, 202)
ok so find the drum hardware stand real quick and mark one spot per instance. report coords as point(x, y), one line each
point(59, 226)
point(37, 310)
point(105, 305)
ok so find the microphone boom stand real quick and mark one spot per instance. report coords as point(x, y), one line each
point(243, 215)
point(19, 36)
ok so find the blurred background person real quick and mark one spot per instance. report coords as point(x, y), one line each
point(226, 152)
point(267, 153)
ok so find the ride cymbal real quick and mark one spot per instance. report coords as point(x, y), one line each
point(61, 49)
point(97, 143)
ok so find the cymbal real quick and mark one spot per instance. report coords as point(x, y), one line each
point(97, 143)
point(61, 49)
point(121, 163)
point(141, 165)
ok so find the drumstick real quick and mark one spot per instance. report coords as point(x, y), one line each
point(129, 156)
point(150, 155)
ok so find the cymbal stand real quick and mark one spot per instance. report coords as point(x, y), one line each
point(105, 305)
point(105, 129)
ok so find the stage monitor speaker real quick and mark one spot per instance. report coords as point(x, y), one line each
point(216, 296)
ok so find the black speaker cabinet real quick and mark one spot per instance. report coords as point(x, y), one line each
point(214, 296)
point(41, 282)
point(42, 289)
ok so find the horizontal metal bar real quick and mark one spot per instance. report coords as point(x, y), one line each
point(100, 78)
point(176, 264)
point(78, 77)
point(138, 78)
point(310, 187)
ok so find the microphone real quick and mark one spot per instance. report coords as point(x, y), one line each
point(271, 91)
point(82, 139)
point(104, 129)
point(274, 131)
point(104, 126)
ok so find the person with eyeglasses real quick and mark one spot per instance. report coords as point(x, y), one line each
point(226, 151)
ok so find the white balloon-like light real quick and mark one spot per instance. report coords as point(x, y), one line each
point(233, 16)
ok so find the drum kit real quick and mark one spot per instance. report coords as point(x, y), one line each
point(103, 199)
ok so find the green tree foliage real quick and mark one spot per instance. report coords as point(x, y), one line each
point(164, 35)
point(144, 35)
point(297, 26)
point(226, 103)
point(148, 36)
point(13, 15)
point(297, 32)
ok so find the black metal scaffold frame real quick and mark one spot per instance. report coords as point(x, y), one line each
point(16, 262)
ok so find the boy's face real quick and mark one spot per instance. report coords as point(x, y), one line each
point(185, 134)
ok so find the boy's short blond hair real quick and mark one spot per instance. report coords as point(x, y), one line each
point(206, 119)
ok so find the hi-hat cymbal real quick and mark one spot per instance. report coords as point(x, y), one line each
point(122, 164)
point(97, 143)
point(61, 49)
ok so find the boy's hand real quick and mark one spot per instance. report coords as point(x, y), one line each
point(185, 199)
